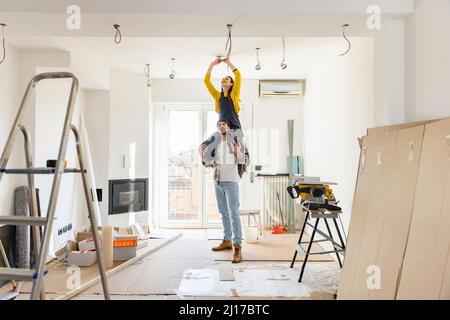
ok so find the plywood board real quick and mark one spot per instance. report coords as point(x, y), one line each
point(386, 227)
point(382, 238)
point(383, 129)
point(377, 204)
point(426, 268)
point(395, 230)
point(363, 193)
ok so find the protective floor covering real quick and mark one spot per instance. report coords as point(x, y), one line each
point(58, 286)
point(261, 281)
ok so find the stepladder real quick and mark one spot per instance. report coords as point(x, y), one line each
point(41, 244)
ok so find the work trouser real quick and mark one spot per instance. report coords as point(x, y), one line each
point(227, 195)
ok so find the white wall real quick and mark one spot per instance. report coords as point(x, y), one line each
point(271, 115)
point(10, 97)
point(30, 60)
point(428, 52)
point(389, 85)
point(128, 126)
point(338, 108)
point(96, 116)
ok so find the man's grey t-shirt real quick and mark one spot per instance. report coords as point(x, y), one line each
point(228, 168)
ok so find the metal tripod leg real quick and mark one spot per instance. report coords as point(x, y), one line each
point(339, 235)
point(332, 239)
point(308, 250)
point(32, 199)
point(37, 285)
point(92, 217)
point(300, 239)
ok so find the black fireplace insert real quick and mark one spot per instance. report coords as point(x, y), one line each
point(128, 195)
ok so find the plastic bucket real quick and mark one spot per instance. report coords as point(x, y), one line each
point(251, 234)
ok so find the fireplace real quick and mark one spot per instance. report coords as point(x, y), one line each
point(128, 195)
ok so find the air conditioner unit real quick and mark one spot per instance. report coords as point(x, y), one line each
point(289, 88)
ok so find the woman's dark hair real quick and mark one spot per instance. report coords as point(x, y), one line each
point(231, 88)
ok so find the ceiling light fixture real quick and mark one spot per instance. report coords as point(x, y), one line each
point(118, 36)
point(3, 43)
point(258, 64)
point(147, 75)
point(345, 37)
point(172, 75)
point(283, 64)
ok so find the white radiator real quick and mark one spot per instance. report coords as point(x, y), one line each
point(271, 215)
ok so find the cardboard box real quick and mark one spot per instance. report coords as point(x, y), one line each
point(82, 259)
point(124, 253)
point(125, 241)
point(86, 245)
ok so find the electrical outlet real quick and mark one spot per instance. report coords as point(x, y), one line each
point(69, 227)
point(60, 232)
point(65, 229)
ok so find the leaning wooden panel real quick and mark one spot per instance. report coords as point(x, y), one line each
point(397, 217)
point(445, 287)
point(428, 245)
point(364, 187)
point(401, 126)
point(375, 214)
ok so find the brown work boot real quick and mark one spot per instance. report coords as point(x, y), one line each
point(237, 256)
point(225, 245)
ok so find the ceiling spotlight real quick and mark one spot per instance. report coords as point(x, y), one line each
point(3, 26)
point(172, 75)
point(283, 64)
point(147, 75)
point(118, 36)
point(258, 64)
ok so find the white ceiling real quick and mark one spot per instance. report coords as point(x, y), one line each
point(193, 55)
point(208, 6)
point(195, 31)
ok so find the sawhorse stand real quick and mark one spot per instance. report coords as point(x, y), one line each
point(325, 215)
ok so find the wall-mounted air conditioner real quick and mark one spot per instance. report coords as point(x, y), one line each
point(289, 88)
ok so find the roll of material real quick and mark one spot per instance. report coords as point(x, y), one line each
point(107, 246)
point(23, 239)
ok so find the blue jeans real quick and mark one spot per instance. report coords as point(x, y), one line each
point(227, 195)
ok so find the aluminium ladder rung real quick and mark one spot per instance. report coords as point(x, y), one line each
point(23, 220)
point(17, 274)
point(37, 170)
